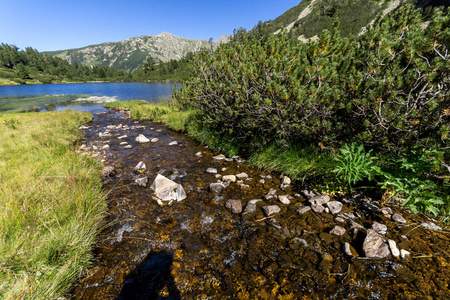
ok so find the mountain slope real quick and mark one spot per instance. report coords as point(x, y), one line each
point(130, 54)
point(311, 17)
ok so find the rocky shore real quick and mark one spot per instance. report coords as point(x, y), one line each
point(185, 222)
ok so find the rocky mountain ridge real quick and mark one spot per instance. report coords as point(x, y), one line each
point(131, 53)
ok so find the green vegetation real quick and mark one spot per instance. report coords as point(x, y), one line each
point(34, 103)
point(31, 67)
point(388, 91)
point(154, 70)
point(51, 204)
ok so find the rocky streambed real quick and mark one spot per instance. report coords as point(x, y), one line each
point(240, 233)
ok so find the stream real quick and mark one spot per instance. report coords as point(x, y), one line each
point(203, 248)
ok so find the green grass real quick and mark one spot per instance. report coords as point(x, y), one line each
point(51, 204)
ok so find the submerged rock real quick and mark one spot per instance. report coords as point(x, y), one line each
point(219, 157)
point(334, 206)
point(167, 190)
point(235, 206)
point(430, 225)
point(142, 139)
point(141, 181)
point(374, 246)
point(338, 230)
point(303, 209)
point(216, 187)
point(140, 168)
point(284, 199)
point(271, 209)
point(398, 218)
point(394, 250)
point(271, 194)
point(379, 228)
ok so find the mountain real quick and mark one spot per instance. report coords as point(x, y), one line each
point(130, 54)
point(311, 17)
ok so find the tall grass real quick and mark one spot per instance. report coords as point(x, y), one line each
point(51, 204)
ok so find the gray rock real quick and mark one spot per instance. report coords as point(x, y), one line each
point(141, 181)
point(348, 249)
point(229, 178)
point(142, 139)
point(387, 211)
point(271, 209)
point(211, 170)
point(235, 206)
point(379, 228)
point(249, 208)
point(334, 206)
point(354, 225)
point(338, 230)
point(347, 215)
point(319, 200)
point(284, 199)
point(242, 176)
point(109, 171)
point(303, 209)
point(374, 246)
point(167, 190)
point(309, 193)
point(216, 187)
point(340, 220)
point(219, 157)
point(394, 250)
point(300, 241)
point(370, 206)
point(430, 225)
point(398, 218)
point(318, 208)
point(271, 194)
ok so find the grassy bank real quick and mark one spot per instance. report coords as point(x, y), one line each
point(51, 204)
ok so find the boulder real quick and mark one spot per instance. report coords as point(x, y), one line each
point(235, 206)
point(142, 139)
point(374, 245)
point(167, 190)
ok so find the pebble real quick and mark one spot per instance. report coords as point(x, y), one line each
point(379, 228)
point(271, 209)
point(123, 143)
point(245, 187)
point(300, 241)
point(142, 139)
point(271, 194)
point(249, 208)
point(334, 206)
point(140, 167)
point(216, 187)
point(303, 209)
point(242, 175)
point(430, 225)
point(218, 176)
point(284, 199)
point(348, 249)
point(354, 225)
point(128, 147)
point(404, 254)
point(211, 170)
point(105, 147)
point(387, 211)
point(198, 154)
point(219, 157)
point(398, 218)
point(319, 200)
point(235, 206)
point(122, 137)
point(340, 220)
point(229, 178)
point(173, 143)
point(338, 230)
point(142, 181)
point(154, 140)
point(394, 250)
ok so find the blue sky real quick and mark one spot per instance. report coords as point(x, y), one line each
point(63, 24)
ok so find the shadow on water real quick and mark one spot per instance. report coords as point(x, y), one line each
point(151, 279)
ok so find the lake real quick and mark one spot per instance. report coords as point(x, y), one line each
point(88, 97)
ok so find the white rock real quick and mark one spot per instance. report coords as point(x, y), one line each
point(379, 228)
point(173, 143)
point(211, 170)
point(122, 137)
point(398, 218)
point(284, 199)
point(430, 225)
point(374, 245)
point(230, 178)
point(271, 209)
point(142, 139)
point(404, 254)
point(394, 250)
point(142, 181)
point(154, 140)
point(334, 206)
point(123, 143)
point(167, 190)
point(303, 209)
point(140, 167)
point(198, 154)
point(105, 147)
point(219, 157)
point(338, 230)
point(128, 147)
point(242, 175)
